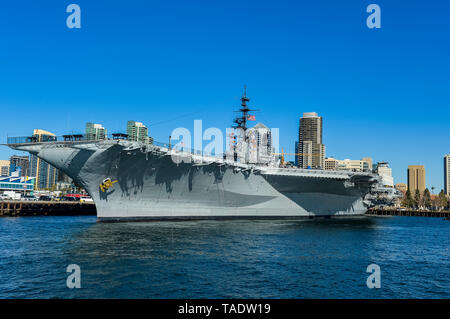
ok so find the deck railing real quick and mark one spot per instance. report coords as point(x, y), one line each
point(63, 138)
point(41, 139)
point(30, 139)
point(84, 138)
point(176, 147)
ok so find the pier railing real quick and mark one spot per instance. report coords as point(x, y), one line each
point(408, 212)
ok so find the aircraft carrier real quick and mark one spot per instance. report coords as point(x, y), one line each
point(131, 180)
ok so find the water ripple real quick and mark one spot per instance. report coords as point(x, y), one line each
point(225, 259)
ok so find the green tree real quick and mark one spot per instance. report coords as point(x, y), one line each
point(407, 199)
point(417, 198)
point(442, 202)
point(426, 198)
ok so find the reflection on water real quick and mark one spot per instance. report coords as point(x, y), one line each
point(222, 259)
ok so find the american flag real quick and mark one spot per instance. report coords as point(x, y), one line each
point(251, 118)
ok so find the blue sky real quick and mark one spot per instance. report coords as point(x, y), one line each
point(383, 93)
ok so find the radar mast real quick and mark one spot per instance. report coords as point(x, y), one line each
point(240, 122)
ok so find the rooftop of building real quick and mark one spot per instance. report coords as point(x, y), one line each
point(259, 125)
point(94, 125)
point(416, 166)
point(17, 179)
point(310, 114)
point(42, 132)
point(140, 124)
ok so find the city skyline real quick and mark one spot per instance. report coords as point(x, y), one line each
point(373, 88)
point(348, 163)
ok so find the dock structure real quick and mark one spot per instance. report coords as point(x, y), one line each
point(45, 208)
point(55, 208)
point(409, 212)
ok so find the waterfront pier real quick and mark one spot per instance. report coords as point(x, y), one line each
point(45, 208)
point(408, 212)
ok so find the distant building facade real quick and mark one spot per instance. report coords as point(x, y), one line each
point(331, 164)
point(95, 131)
point(416, 178)
point(4, 167)
point(137, 131)
point(46, 175)
point(19, 163)
point(447, 174)
point(385, 172)
point(310, 146)
point(64, 182)
point(363, 165)
point(369, 162)
point(354, 165)
point(260, 144)
point(402, 187)
point(16, 183)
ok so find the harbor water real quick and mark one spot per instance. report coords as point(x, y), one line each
point(325, 258)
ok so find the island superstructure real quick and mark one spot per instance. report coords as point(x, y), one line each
point(135, 180)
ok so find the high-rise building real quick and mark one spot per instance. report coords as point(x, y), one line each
point(416, 178)
point(95, 131)
point(21, 163)
point(4, 168)
point(296, 152)
point(447, 174)
point(46, 175)
point(310, 147)
point(138, 132)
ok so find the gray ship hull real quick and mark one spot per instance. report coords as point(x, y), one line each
point(150, 185)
